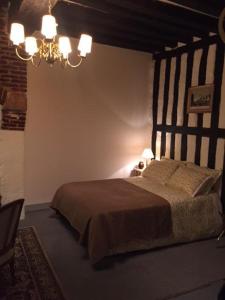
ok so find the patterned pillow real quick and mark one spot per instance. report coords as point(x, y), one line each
point(215, 174)
point(160, 171)
point(189, 180)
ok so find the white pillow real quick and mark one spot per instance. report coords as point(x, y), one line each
point(189, 180)
point(160, 170)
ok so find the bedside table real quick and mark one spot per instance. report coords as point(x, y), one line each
point(136, 172)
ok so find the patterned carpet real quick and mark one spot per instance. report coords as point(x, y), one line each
point(35, 278)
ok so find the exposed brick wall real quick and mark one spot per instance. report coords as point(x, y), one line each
point(13, 75)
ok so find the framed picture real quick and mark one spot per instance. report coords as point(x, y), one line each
point(200, 98)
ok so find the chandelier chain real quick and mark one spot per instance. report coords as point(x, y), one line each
point(49, 7)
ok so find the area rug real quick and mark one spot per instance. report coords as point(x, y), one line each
point(35, 278)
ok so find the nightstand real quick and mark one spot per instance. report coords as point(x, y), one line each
point(136, 172)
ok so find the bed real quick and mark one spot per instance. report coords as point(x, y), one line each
point(172, 202)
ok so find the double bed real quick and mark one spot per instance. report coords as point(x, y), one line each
point(172, 202)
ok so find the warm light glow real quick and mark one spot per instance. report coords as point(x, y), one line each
point(31, 45)
point(49, 25)
point(147, 153)
point(85, 44)
point(49, 48)
point(64, 46)
point(17, 34)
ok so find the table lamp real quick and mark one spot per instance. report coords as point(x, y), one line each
point(147, 154)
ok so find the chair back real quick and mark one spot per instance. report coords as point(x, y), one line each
point(9, 220)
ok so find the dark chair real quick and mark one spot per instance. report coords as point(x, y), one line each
point(9, 220)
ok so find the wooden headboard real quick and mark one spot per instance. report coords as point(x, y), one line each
point(176, 134)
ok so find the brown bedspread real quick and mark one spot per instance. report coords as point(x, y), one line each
point(112, 212)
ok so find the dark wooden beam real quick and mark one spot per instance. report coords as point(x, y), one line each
point(143, 24)
point(168, 13)
point(203, 6)
point(79, 15)
point(109, 38)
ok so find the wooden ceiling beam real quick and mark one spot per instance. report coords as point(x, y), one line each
point(201, 6)
point(123, 17)
point(109, 39)
point(79, 15)
point(116, 39)
point(168, 13)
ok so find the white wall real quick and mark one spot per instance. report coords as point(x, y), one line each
point(89, 123)
point(11, 165)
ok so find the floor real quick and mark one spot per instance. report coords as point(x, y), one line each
point(193, 271)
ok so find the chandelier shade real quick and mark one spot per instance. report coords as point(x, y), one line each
point(50, 48)
point(31, 45)
point(85, 44)
point(49, 26)
point(17, 34)
point(65, 46)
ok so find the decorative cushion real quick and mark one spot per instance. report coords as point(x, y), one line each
point(215, 174)
point(189, 180)
point(160, 171)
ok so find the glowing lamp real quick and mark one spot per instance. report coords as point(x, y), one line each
point(17, 34)
point(49, 25)
point(31, 45)
point(147, 154)
point(64, 46)
point(85, 44)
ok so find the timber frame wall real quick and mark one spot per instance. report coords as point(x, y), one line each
point(176, 134)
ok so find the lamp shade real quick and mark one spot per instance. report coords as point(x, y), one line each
point(64, 46)
point(31, 45)
point(48, 28)
point(17, 34)
point(147, 153)
point(85, 44)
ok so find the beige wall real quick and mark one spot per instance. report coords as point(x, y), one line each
point(89, 123)
point(11, 165)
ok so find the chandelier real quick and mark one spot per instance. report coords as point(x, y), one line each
point(49, 48)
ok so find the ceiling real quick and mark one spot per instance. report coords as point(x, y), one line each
point(146, 25)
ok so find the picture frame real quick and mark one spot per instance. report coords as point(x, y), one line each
point(200, 99)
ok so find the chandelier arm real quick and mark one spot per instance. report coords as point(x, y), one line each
point(23, 58)
point(74, 66)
